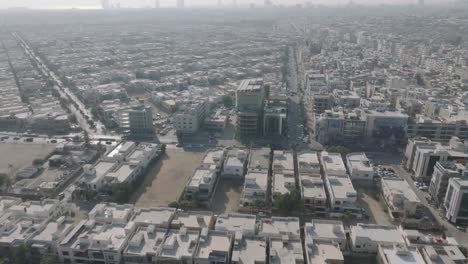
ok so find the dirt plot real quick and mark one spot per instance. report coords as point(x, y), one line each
point(166, 180)
point(21, 155)
point(227, 196)
point(369, 199)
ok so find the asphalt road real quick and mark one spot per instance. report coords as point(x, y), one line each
point(65, 93)
point(451, 230)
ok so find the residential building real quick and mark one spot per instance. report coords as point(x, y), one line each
point(443, 171)
point(443, 255)
point(250, 96)
point(136, 121)
point(401, 200)
point(178, 247)
point(201, 185)
point(425, 158)
point(275, 116)
point(190, 116)
point(254, 191)
point(321, 102)
point(412, 146)
point(359, 166)
point(195, 220)
point(326, 231)
point(213, 247)
point(283, 183)
point(249, 250)
point(259, 160)
point(235, 163)
point(244, 224)
point(308, 163)
point(313, 192)
point(144, 245)
point(398, 254)
point(366, 238)
point(341, 194)
point(286, 250)
point(283, 162)
point(280, 226)
point(456, 200)
point(335, 127)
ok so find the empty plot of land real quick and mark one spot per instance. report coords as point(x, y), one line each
point(15, 156)
point(227, 196)
point(167, 178)
point(369, 199)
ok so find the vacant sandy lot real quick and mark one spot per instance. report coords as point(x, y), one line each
point(166, 180)
point(368, 198)
point(227, 196)
point(21, 155)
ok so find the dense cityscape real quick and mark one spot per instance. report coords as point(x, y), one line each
point(270, 133)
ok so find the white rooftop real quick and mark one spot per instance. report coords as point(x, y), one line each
point(333, 164)
point(179, 244)
point(277, 226)
point(377, 233)
point(236, 222)
point(401, 255)
point(285, 251)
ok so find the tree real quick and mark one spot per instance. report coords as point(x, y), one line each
point(121, 192)
point(288, 202)
point(22, 254)
point(338, 149)
point(86, 138)
point(174, 204)
point(228, 102)
point(49, 260)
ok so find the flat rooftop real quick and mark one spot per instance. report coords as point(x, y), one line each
point(325, 230)
point(146, 239)
point(286, 251)
point(341, 187)
point(333, 163)
point(312, 186)
point(214, 242)
point(281, 226)
point(377, 233)
point(179, 244)
point(401, 255)
point(400, 186)
point(236, 222)
point(250, 251)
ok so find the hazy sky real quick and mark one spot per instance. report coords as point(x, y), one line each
point(140, 3)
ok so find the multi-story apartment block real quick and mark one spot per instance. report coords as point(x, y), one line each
point(250, 96)
point(456, 200)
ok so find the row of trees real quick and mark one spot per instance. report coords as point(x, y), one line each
point(24, 254)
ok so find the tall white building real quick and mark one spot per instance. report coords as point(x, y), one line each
point(456, 200)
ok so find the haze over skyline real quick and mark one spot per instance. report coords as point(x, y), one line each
point(57, 4)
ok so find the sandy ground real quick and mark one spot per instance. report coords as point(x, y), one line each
point(21, 155)
point(227, 196)
point(367, 199)
point(166, 180)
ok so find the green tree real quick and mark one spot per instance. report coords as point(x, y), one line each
point(121, 192)
point(338, 149)
point(288, 202)
point(228, 101)
point(49, 260)
point(22, 254)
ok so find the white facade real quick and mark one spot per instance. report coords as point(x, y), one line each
point(400, 198)
point(313, 191)
point(366, 238)
point(359, 166)
point(456, 201)
point(235, 164)
point(255, 189)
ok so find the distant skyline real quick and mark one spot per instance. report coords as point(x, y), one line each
point(58, 4)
